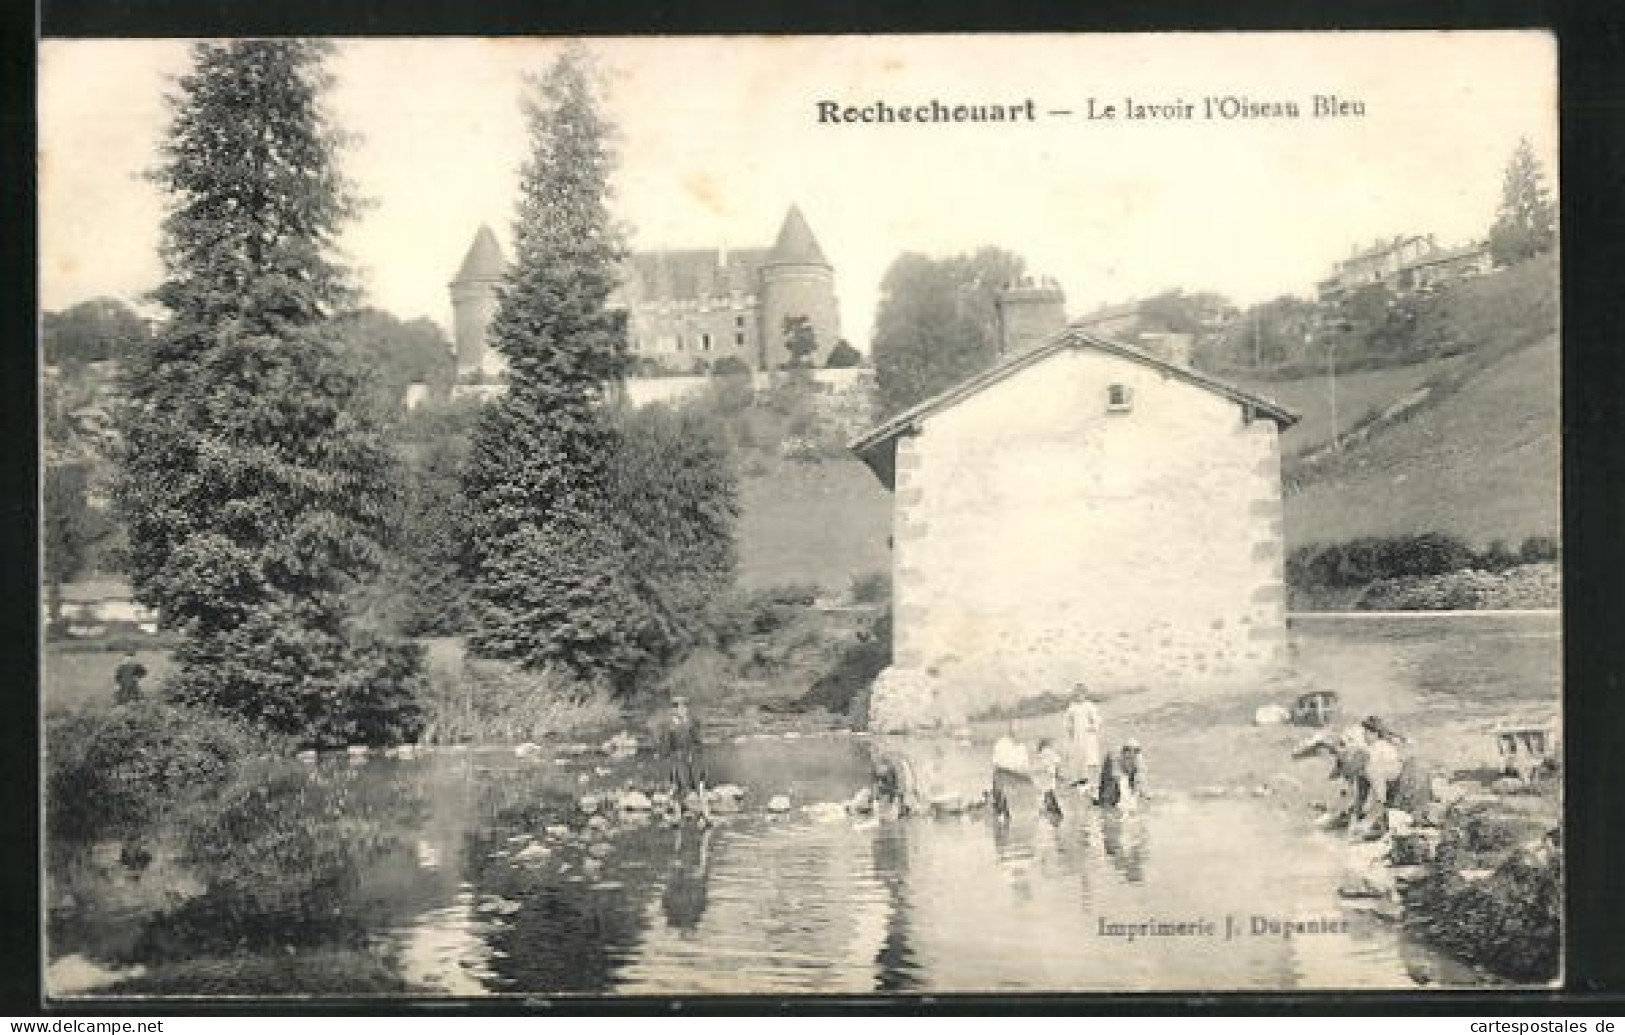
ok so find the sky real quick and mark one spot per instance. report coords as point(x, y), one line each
point(717, 137)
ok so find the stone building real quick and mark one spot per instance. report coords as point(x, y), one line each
point(1085, 511)
point(688, 309)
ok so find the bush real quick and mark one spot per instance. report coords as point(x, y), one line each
point(844, 689)
point(1498, 556)
point(115, 772)
point(484, 701)
point(1539, 549)
point(1510, 922)
point(871, 588)
point(731, 367)
point(1369, 559)
point(760, 612)
point(319, 688)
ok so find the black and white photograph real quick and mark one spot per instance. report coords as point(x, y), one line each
point(889, 515)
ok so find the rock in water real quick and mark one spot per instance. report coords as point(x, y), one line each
point(825, 811)
point(861, 803)
point(532, 853)
point(1271, 715)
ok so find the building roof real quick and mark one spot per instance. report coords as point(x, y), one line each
point(1439, 255)
point(796, 244)
point(692, 274)
point(877, 447)
point(484, 260)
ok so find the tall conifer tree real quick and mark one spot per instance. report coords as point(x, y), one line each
point(1526, 223)
point(547, 579)
point(252, 490)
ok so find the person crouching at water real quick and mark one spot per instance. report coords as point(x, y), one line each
point(680, 745)
point(1395, 777)
point(1122, 778)
point(1046, 777)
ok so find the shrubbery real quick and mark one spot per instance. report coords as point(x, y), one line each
point(1365, 560)
point(482, 701)
point(1432, 571)
point(1360, 562)
point(315, 686)
point(871, 588)
point(115, 772)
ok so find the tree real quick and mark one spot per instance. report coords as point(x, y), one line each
point(800, 341)
point(676, 499)
point(254, 491)
point(937, 322)
point(72, 529)
point(548, 585)
point(1526, 222)
point(423, 589)
point(386, 354)
point(94, 331)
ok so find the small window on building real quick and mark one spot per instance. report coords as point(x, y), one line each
point(1119, 399)
point(705, 341)
point(739, 339)
point(739, 321)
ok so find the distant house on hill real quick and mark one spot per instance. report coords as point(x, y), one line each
point(1406, 262)
point(1084, 512)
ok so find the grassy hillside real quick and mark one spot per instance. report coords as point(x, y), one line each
point(1478, 451)
point(822, 522)
point(1359, 396)
point(1482, 460)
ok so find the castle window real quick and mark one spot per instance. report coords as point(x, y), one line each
point(705, 341)
point(1119, 399)
point(739, 339)
point(739, 321)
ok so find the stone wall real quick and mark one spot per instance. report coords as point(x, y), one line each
point(1042, 538)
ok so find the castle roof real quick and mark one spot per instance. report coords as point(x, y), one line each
point(877, 447)
point(796, 244)
point(484, 260)
point(693, 274)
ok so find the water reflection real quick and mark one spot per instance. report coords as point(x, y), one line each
point(683, 896)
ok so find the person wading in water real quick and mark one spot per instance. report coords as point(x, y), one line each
point(680, 745)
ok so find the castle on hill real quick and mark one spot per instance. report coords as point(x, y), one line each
point(687, 309)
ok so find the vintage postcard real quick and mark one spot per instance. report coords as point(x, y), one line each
point(863, 515)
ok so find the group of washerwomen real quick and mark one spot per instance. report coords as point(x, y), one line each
point(1378, 772)
point(1115, 779)
point(1110, 780)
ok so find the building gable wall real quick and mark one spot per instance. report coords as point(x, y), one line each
point(1042, 539)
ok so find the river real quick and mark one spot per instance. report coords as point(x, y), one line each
point(476, 872)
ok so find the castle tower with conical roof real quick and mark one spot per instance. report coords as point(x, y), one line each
point(473, 304)
point(796, 281)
